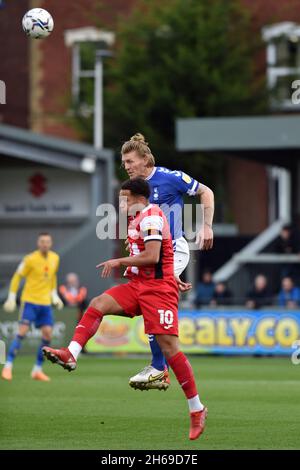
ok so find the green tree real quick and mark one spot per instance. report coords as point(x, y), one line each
point(181, 58)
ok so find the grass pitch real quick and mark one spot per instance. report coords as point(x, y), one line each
point(253, 403)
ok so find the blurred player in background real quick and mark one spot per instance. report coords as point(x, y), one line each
point(152, 291)
point(39, 269)
point(167, 190)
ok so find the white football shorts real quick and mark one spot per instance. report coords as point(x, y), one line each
point(181, 255)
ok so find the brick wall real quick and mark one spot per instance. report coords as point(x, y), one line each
point(38, 73)
point(248, 195)
point(14, 66)
point(52, 68)
point(271, 11)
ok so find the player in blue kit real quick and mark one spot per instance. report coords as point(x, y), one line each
point(167, 190)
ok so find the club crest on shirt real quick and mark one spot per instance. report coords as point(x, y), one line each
point(155, 193)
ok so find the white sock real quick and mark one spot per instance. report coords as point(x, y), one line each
point(9, 365)
point(74, 349)
point(195, 404)
point(36, 368)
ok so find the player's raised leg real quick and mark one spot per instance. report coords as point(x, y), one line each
point(102, 305)
point(185, 376)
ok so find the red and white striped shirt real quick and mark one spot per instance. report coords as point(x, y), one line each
point(151, 224)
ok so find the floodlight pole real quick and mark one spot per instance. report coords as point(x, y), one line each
point(98, 102)
point(98, 97)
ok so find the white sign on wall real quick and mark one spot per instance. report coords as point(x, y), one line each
point(43, 193)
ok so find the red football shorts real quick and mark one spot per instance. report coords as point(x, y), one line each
point(155, 299)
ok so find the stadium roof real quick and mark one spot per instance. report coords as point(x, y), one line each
point(63, 153)
point(273, 140)
point(238, 133)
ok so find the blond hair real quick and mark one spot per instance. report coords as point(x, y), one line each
point(138, 144)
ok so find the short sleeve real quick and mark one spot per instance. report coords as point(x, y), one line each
point(151, 228)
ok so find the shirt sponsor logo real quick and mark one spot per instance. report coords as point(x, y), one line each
point(186, 178)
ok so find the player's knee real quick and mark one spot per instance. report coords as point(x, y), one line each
point(99, 303)
point(47, 333)
point(47, 337)
point(169, 351)
point(168, 346)
point(95, 302)
point(23, 330)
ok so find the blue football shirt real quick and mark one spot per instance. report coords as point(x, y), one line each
point(167, 190)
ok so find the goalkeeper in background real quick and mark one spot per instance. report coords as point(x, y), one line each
point(39, 269)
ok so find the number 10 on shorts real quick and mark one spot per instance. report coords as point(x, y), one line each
point(166, 318)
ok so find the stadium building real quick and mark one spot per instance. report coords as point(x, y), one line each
point(51, 181)
point(55, 185)
point(50, 77)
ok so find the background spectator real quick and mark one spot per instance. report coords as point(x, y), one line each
point(288, 244)
point(288, 241)
point(205, 289)
point(259, 296)
point(74, 295)
point(222, 295)
point(289, 296)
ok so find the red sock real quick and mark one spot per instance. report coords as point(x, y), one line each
point(184, 374)
point(87, 326)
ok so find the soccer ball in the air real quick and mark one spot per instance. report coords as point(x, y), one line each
point(38, 23)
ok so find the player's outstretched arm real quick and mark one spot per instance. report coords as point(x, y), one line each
point(185, 184)
point(147, 257)
point(205, 237)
